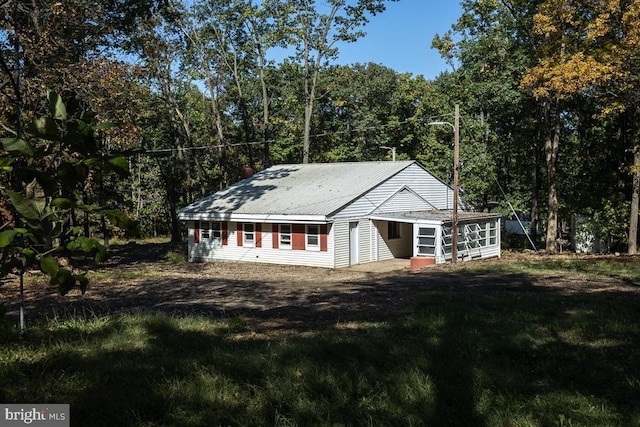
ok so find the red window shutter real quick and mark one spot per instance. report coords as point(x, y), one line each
point(196, 232)
point(298, 237)
point(323, 238)
point(239, 234)
point(258, 235)
point(225, 233)
point(276, 237)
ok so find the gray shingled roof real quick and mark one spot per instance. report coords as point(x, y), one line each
point(300, 189)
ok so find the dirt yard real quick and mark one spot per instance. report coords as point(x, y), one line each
point(138, 277)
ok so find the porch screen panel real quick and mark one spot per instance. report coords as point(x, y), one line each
point(473, 236)
point(446, 240)
point(493, 232)
point(427, 241)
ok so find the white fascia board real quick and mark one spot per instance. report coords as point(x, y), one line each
point(256, 218)
point(202, 216)
point(382, 217)
point(285, 219)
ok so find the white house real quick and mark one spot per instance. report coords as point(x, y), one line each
point(335, 215)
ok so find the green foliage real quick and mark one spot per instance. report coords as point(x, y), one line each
point(66, 138)
point(178, 256)
point(17, 146)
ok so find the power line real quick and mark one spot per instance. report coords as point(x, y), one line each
point(270, 141)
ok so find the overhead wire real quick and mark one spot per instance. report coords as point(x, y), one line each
point(271, 141)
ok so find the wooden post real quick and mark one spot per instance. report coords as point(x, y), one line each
point(456, 155)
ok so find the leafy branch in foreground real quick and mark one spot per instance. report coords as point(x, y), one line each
point(46, 179)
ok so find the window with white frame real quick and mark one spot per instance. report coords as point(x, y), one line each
point(313, 237)
point(473, 236)
point(249, 235)
point(446, 240)
point(211, 232)
point(482, 232)
point(284, 236)
point(462, 239)
point(426, 241)
point(205, 231)
point(493, 232)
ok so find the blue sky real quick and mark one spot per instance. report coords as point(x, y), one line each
point(400, 37)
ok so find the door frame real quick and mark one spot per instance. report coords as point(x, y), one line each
point(354, 243)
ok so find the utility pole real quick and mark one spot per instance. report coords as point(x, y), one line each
point(456, 168)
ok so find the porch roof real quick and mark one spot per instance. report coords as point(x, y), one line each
point(441, 216)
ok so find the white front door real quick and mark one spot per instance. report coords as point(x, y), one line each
point(353, 243)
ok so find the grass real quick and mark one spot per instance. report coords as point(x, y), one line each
point(456, 358)
point(621, 268)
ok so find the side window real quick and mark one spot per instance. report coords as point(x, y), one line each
point(285, 236)
point(493, 233)
point(216, 233)
point(393, 230)
point(205, 230)
point(472, 235)
point(313, 237)
point(426, 241)
point(211, 232)
point(249, 235)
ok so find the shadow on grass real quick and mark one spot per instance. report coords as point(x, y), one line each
point(440, 350)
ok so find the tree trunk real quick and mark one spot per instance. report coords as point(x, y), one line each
point(535, 182)
point(534, 196)
point(551, 151)
point(265, 115)
point(173, 214)
point(308, 111)
point(308, 108)
point(310, 95)
point(632, 247)
point(105, 230)
point(217, 125)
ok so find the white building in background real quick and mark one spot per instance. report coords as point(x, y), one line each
point(335, 215)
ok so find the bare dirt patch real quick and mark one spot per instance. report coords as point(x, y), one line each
point(270, 297)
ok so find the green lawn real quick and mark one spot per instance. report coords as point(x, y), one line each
point(501, 358)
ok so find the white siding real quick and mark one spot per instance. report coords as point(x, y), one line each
point(421, 182)
point(234, 253)
point(384, 251)
point(404, 200)
point(364, 241)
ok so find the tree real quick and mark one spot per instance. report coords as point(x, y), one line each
point(489, 55)
point(317, 36)
point(582, 48)
point(58, 152)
